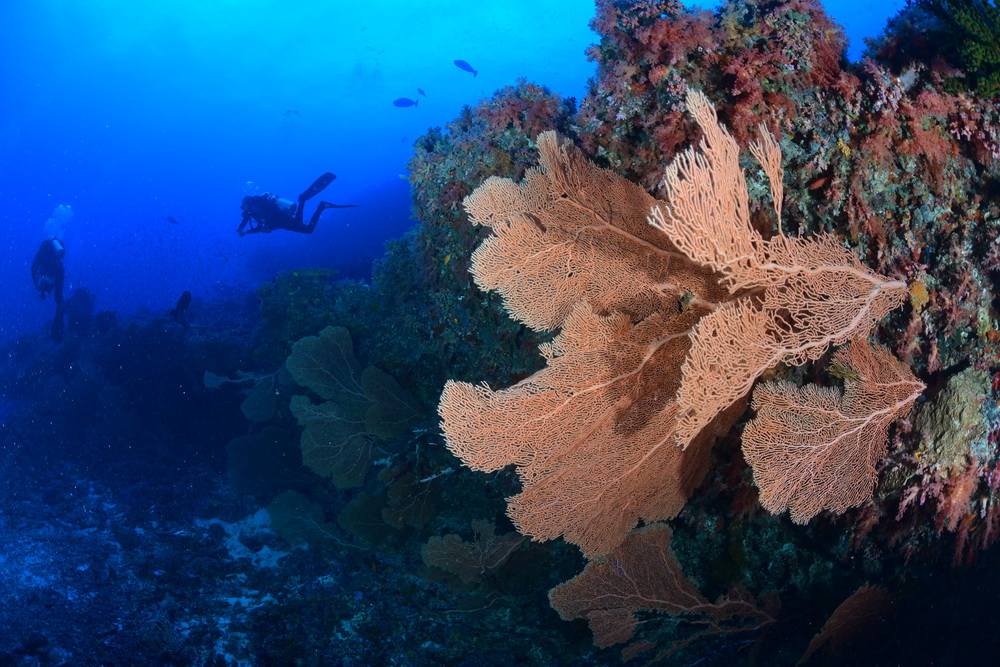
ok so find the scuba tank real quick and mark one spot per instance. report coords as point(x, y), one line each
point(284, 205)
point(57, 247)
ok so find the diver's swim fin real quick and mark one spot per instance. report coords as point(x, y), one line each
point(318, 186)
point(323, 205)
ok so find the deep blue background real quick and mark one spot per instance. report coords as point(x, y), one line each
point(129, 112)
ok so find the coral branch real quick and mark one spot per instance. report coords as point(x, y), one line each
point(816, 448)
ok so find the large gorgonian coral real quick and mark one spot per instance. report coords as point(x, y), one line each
point(664, 329)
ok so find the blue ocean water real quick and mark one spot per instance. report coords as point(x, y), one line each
point(136, 114)
point(132, 131)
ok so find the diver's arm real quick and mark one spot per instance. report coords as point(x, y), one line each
point(254, 230)
point(244, 229)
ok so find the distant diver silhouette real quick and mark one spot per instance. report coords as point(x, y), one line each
point(48, 275)
point(268, 212)
point(179, 312)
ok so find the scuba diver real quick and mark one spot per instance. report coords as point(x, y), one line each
point(268, 212)
point(48, 274)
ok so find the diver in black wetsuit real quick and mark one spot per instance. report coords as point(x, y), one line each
point(267, 212)
point(48, 274)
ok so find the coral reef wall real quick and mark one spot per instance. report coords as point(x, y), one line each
point(889, 154)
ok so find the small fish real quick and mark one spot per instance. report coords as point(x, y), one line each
point(405, 102)
point(172, 220)
point(461, 64)
point(421, 92)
